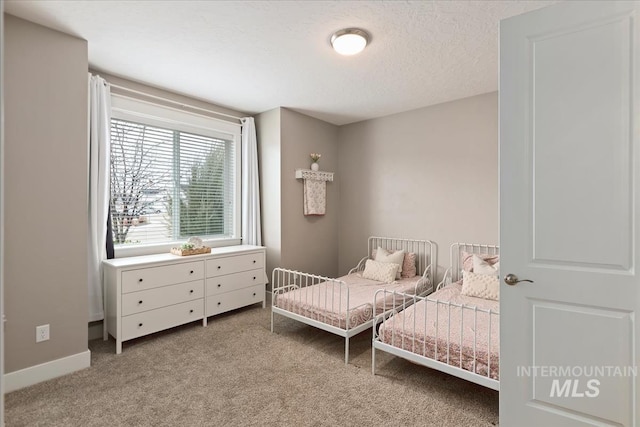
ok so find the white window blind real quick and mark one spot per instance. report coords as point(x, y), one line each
point(168, 184)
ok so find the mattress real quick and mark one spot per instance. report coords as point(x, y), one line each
point(471, 343)
point(332, 304)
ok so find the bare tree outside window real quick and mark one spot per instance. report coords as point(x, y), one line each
point(134, 179)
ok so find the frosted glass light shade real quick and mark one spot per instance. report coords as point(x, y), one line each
point(349, 41)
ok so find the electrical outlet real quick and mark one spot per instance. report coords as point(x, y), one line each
point(42, 333)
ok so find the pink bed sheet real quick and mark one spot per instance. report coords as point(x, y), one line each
point(327, 301)
point(472, 343)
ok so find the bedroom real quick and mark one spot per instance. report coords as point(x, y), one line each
point(417, 157)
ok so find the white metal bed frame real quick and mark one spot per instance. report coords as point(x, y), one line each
point(452, 274)
point(284, 280)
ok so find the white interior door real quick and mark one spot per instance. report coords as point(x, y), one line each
point(569, 215)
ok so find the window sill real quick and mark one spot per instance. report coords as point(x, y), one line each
point(131, 251)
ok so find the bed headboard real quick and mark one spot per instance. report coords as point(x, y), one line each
point(425, 250)
point(471, 248)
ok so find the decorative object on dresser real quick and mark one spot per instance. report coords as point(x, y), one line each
point(194, 246)
point(151, 293)
point(186, 251)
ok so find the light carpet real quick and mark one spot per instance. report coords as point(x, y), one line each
point(235, 372)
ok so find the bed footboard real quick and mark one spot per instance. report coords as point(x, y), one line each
point(318, 298)
point(458, 339)
point(318, 301)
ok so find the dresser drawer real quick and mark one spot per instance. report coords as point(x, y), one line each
point(232, 282)
point(235, 299)
point(156, 320)
point(153, 277)
point(137, 302)
point(227, 265)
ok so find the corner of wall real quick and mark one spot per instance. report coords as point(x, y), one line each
point(309, 243)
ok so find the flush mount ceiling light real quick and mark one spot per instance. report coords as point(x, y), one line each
point(349, 41)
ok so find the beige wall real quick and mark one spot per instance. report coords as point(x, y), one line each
point(308, 243)
point(285, 140)
point(430, 173)
point(46, 184)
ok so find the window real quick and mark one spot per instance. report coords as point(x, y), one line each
point(173, 175)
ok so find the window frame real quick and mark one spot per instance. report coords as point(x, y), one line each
point(152, 114)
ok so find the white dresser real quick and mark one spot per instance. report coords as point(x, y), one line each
point(150, 293)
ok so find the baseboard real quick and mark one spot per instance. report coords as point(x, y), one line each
point(46, 371)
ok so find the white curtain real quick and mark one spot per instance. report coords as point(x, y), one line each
point(251, 232)
point(99, 147)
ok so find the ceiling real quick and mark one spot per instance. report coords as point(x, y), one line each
point(253, 56)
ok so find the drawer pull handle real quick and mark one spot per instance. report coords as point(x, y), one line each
point(190, 311)
point(139, 280)
point(219, 267)
point(191, 272)
point(219, 285)
point(254, 277)
point(139, 325)
point(219, 303)
point(254, 261)
point(254, 294)
point(140, 302)
point(191, 291)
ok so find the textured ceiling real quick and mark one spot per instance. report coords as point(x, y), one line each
point(253, 56)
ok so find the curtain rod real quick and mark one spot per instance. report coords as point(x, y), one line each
point(181, 104)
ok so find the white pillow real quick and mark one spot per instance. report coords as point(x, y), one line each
point(480, 285)
point(397, 257)
point(380, 271)
point(481, 266)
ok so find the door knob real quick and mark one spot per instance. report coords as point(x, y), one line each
point(512, 279)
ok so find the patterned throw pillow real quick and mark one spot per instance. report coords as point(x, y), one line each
point(381, 271)
point(409, 265)
point(467, 260)
point(481, 266)
point(480, 285)
point(396, 257)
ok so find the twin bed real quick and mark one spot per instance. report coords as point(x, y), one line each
point(447, 330)
point(455, 329)
point(344, 306)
